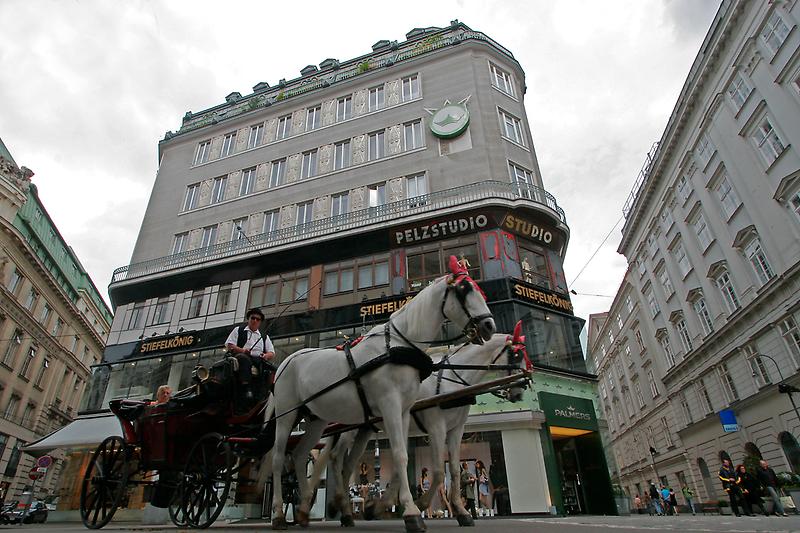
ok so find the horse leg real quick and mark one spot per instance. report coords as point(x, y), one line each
point(434, 422)
point(341, 500)
point(357, 445)
point(314, 430)
point(282, 432)
point(454, 451)
point(396, 424)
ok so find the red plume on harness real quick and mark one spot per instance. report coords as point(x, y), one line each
point(460, 272)
point(518, 345)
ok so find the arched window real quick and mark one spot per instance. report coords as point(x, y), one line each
point(707, 481)
point(791, 450)
point(751, 450)
point(724, 455)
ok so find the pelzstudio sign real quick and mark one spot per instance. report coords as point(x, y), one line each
point(568, 411)
point(440, 229)
point(163, 344)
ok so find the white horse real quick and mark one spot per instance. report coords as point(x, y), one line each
point(322, 386)
point(444, 424)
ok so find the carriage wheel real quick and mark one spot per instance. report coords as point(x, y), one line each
point(206, 480)
point(104, 482)
point(177, 512)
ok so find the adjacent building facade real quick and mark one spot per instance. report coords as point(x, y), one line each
point(329, 201)
point(705, 320)
point(53, 324)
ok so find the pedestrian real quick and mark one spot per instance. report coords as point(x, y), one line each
point(363, 481)
point(468, 487)
point(648, 502)
point(673, 502)
point(483, 486)
point(655, 498)
point(728, 478)
point(247, 343)
point(751, 491)
point(688, 494)
point(425, 486)
point(665, 502)
point(637, 503)
point(766, 476)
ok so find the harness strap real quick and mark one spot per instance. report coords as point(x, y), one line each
point(356, 375)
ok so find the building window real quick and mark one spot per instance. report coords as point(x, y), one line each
point(271, 221)
point(653, 386)
point(681, 259)
point(641, 266)
point(511, 127)
point(254, 138)
point(58, 327)
point(294, 290)
point(284, 126)
point(794, 204)
point(376, 147)
point(701, 230)
point(313, 118)
point(666, 283)
point(180, 242)
point(774, 33)
point(523, 179)
point(42, 371)
point(652, 242)
point(376, 98)
point(74, 346)
point(666, 219)
point(196, 304)
point(11, 407)
point(628, 358)
point(652, 303)
point(629, 303)
point(757, 368)
point(339, 280)
point(228, 144)
point(218, 189)
point(758, 260)
point(684, 188)
point(704, 149)
point(727, 196)
point(344, 108)
point(224, 298)
point(203, 150)
point(705, 398)
point(416, 186)
point(192, 196)
point(610, 338)
point(791, 336)
point(340, 204)
point(309, 165)
point(413, 136)
point(669, 355)
point(304, 213)
point(248, 181)
point(501, 79)
point(683, 334)
point(30, 302)
point(728, 385)
point(209, 237)
point(277, 173)
point(535, 267)
point(766, 139)
point(239, 229)
point(639, 396)
point(725, 285)
point(701, 309)
point(377, 198)
point(15, 282)
point(45, 316)
point(738, 90)
point(603, 391)
point(666, 430)
point(687, 412)
point(136, 320)
point(161, 315)
point(639, 340)
point(26, 362)
point(341, 155)
point(263, 293)
point(410, 88)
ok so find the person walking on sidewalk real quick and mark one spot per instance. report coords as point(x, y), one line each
point(750, 490)
point(655, 498)
point(766, 476)
point(728, 478)
point(688, 495)
point(673, 502)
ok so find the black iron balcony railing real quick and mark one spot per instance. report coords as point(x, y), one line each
point(361, 218)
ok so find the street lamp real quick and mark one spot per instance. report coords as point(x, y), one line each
point(784, 388)
point(653, 453)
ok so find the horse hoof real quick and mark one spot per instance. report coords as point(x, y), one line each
point(414, 524)
point(347, 521)
point(465, 520)
point(302, 518)
point(279, 524)
point(369, 512)
point(332, 510)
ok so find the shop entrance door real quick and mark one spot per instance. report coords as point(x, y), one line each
point(585, 484)
point(571, 482)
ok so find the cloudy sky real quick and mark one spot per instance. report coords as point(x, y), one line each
point(88, 88)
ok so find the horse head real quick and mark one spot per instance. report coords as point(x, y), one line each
point(465, 299)
point(517, 356)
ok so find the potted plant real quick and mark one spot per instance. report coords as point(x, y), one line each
point(622, 500)
point(724, 507)
point(790, 484)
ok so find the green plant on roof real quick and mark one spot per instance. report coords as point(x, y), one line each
point(363, 67)
point(254, 103)
point(281, 96)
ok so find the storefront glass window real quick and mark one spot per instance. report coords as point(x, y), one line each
point(534, 266)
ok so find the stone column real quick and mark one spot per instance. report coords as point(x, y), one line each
point(234, 179)
point(395, 190)
point(392, 92)
point(224, 231)
point(322, 207)
point(255, 224)
point(216, 148)
point(325, 160)
point(359, 144)
point(360, 102)
point(328, 112)
point(288, 216)
point(262, 177)
point(270, 130)
point(241, 139)
point(195, 238)
point(298, 121)
point(395, 136)
point(205, 193)
point(358, 199)
point(293, 167)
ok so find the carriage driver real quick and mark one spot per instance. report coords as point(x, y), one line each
point(246, 341)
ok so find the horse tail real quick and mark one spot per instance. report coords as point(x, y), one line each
point(267, 436)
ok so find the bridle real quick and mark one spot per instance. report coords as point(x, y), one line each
point(461, 284)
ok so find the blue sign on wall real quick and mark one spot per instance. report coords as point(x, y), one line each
point(728, 419)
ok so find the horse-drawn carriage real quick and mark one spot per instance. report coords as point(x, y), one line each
point(187, 451)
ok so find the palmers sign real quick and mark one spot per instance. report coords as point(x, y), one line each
point(440, 229)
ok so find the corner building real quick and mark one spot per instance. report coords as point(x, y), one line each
point(705, 320)
point(329, 201)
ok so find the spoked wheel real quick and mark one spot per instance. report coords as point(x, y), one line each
point(104, 483)
point(206, 481)
point(177, 512)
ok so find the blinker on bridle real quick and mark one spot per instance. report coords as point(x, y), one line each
point(461, 284)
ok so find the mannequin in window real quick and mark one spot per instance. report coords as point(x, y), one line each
point(526, 270)
point(463, 262)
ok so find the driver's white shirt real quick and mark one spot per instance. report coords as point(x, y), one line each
point(253, 342)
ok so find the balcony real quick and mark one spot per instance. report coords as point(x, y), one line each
point(371, 216)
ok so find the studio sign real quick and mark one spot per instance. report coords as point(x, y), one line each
point(441, 229)
point(571, 412)
point(169, 343)
point(526, 228)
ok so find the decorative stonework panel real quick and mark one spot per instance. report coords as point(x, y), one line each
point(298, 121)
point(293, 168)
point(262, 177)
point(358, 199)
point(328, 112)
point(234, 179)
point(241, 139)
point(288, 216)
point(395, 187)
point(325, 162)
point(195, 238)
point(360, 102)
point(395, 139)
point(270, 130)
point(224, 231)
point(322, 207)
point(255, 225)
point(205, 193)
point(392, 89)
point(359, 144)
point(216, 148)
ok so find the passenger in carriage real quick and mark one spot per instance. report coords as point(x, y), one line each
point(163, 394)
point(247, 343)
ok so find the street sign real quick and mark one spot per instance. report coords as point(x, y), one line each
point(35, 473)
point(44, 461)
point(728, 419)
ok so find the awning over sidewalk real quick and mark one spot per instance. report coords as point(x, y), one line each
point(84, 431)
